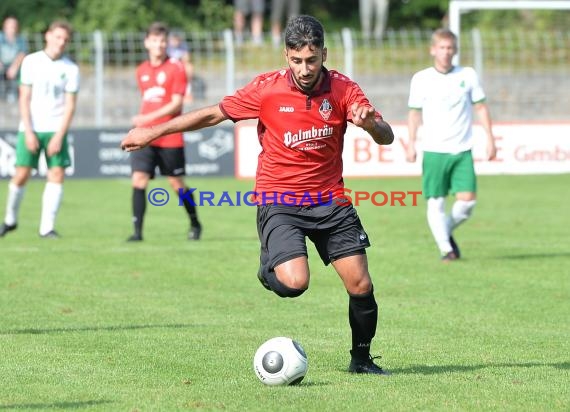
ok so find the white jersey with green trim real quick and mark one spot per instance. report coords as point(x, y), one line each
point(50, 80)
point(446, 101)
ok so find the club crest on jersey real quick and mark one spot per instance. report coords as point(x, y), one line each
point(325, 110)
point(160, 77)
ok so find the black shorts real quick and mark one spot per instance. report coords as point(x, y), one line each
point(334, 229)
point(170, 161)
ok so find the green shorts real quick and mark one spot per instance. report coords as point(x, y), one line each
point(445, 173)
point(26, 158)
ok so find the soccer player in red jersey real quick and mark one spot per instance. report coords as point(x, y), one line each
point(303, 112)
point(162, 82)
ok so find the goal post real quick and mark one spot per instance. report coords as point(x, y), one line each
point(457, 7)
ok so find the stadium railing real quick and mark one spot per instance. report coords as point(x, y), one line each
point(526, 74)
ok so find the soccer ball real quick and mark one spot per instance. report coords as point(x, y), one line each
point(280, 361)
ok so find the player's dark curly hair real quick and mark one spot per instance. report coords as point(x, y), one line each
point(302, 31)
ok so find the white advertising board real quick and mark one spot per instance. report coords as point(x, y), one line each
point(527, 148)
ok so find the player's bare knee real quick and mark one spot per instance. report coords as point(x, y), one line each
point(361, 286)
point(139, 180)
point(368, 291)
point(177, 183)
point(293, 274)
point(291, 289)
point(56, 175)
point(21, 176)
point(297, 282)
point(358, 284)
point(466, 196)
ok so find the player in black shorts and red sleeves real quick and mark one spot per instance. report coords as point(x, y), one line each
point(162, 82)
point(303, 112)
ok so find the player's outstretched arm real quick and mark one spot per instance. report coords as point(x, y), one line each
point(382, 132)
point(140, 137)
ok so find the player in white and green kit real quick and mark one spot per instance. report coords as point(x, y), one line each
point(49, 83)
point(442, 99)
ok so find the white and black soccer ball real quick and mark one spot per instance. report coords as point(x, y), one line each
point(280, 361)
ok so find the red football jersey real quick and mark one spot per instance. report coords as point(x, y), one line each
point(301, 135)
point(157, 85)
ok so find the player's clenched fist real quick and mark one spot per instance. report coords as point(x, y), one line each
point(363, 116)
point(137, 138)
point(368, 119)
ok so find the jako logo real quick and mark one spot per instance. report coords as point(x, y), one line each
point(286, 109)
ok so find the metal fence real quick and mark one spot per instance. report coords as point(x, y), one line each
point(526, 74)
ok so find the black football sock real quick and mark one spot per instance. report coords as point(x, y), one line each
point(139, 207)
point(190, 207)
point(362, 316)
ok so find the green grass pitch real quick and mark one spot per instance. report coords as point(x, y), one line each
point(90, 322)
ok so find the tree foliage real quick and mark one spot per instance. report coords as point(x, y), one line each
point(112, 16)
point(208, 15)
point(420, 14)
point(34, 15)
point(521, 19)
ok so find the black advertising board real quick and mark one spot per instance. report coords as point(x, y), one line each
point(95, 153)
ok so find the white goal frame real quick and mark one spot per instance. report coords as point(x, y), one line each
point(456, 7)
